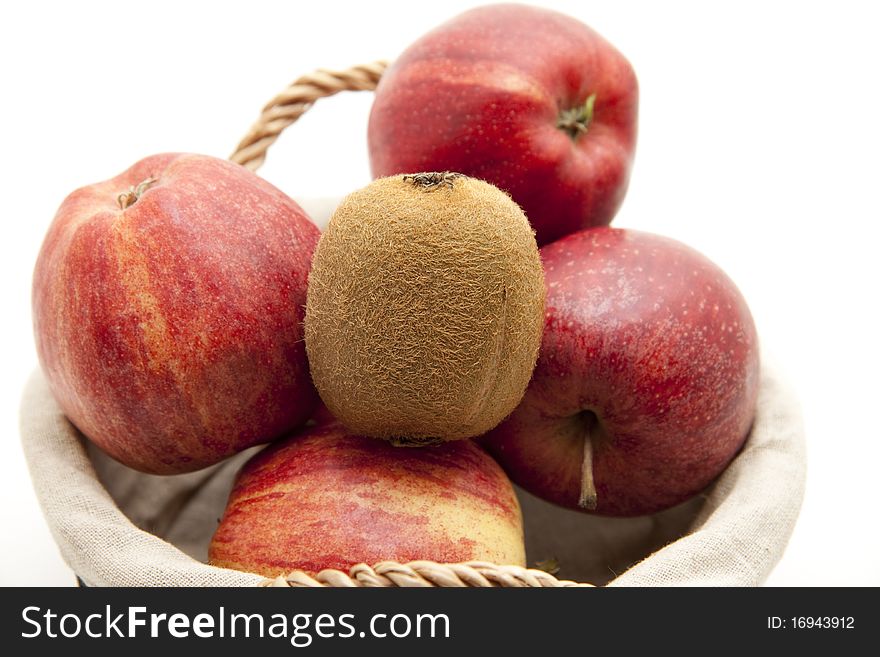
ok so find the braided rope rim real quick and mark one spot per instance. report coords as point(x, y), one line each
point(385, 574)
point(288, 106)
point(277, 115)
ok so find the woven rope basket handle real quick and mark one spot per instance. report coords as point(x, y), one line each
point(278, 114)
point(293, 102)
point(425, 574)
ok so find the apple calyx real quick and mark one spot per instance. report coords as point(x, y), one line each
point(588, 498)
point(129, 198)
point(576, 121)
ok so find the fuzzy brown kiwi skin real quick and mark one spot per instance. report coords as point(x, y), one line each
point(425, 308)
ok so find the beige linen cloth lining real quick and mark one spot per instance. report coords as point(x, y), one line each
point(118, 527)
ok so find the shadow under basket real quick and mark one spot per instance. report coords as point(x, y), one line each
point(115, 526)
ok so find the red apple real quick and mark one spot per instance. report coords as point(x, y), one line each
point(328, 499)
point(168, 306)
point(531, 100)
point(646, 382)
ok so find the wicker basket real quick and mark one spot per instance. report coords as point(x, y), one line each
point(115, 526)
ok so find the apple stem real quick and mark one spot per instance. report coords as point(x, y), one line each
point(588, 498)
point(127, 199)
point(576, 121)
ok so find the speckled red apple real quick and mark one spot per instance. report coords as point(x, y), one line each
point(329, 499)
point(529, 99)
point(168, 306)
point(646, 382)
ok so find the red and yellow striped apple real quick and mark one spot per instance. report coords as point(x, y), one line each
point(167, 308)
point(646, 381)
point(328, 499)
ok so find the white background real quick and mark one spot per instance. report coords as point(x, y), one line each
point(758, 145)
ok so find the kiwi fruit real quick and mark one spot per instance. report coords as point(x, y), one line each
point(425, 308)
